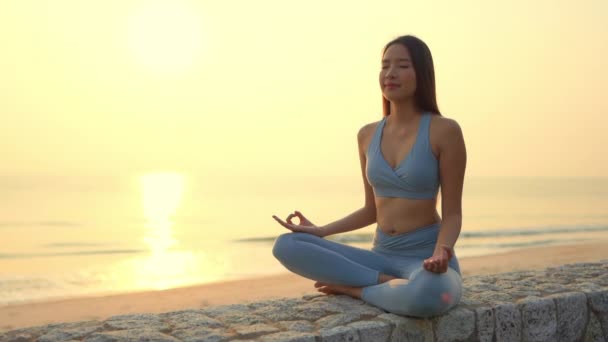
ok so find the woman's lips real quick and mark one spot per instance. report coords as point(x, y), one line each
point(391, 86)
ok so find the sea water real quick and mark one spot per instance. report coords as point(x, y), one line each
point(59, 241)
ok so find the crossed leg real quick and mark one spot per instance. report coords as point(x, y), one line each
point(367, 275)
point(330, 262)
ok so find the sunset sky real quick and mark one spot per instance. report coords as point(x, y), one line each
point(274, 92)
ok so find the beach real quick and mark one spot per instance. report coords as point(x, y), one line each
point(264, 288)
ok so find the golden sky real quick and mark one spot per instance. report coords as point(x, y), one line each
point(269, 91)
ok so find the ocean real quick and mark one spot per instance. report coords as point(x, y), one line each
point(62, 241)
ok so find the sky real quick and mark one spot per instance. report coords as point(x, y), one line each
point(273, 93)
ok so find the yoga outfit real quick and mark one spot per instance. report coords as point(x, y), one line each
point(425, 293)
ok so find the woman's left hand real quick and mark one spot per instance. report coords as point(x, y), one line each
point(438, 263)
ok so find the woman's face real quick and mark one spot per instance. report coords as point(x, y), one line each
point(397, 76)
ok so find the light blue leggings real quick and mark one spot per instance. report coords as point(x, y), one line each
point(425, 294)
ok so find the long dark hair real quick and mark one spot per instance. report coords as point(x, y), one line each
point(425, 95)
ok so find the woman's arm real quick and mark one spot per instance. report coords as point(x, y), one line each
point(452, 164)
point(367, 214)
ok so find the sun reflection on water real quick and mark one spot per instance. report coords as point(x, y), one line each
point(164, 267)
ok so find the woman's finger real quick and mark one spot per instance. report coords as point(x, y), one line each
point(428, 265)
point(280, 221)
point(277, 219)
point(289, 218)
point(286, 225)
point(434, 265)
point(440, 263)
point(303, 219)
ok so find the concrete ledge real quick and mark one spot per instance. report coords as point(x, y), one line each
point(566, 303)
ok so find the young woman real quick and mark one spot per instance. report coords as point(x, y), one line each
point(406, 157)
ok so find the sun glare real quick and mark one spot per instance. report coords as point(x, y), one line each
point(162, 193)
point(165, 36)
point(163, 268)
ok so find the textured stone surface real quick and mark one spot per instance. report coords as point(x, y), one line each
point(370, 331)
point(539, 319)
point(409, 329)
point(458, 324)
point(572, 315)
point(339, 334)
point(75, 333)
point(290, 336)
point(598, 302)
point(485, 324)
point(508, 322)
point(565, 303)
point(137, 321)
point(594, 330)
point(131, 335)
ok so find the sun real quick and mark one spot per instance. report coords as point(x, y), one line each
point(164, 35)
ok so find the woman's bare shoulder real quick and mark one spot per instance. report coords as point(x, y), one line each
point(444, 132)
point(365, 134)
point(443, 126)
point(367, 130)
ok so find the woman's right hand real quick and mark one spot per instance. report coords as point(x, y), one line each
point(305, 225)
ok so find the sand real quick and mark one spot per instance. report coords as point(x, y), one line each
point(247, 290)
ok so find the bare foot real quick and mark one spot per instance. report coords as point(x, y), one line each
point(352, 291)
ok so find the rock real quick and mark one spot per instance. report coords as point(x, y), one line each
point(372, 331)
point(594, 330)
point(598, 302)
point(457, 324)
point(339, 334)
point(149, 335)
point(572, 315)
point(508, 323)
point(409, 329)
point(485, 324)
point(539, 320)
point(136, 321)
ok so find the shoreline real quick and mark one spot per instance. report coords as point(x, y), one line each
point(21, 315)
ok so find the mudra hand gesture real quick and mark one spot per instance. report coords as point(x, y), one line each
point(305, 226)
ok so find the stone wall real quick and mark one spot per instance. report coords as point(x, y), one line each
point(566, 303)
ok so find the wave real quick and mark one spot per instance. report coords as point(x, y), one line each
point(37, 255)
point(14, 224)
point(73, 244)
point(519, 244)
point(367, 237)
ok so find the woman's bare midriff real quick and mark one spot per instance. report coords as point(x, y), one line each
point(401, 215)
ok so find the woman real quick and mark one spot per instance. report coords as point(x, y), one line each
point(406, 157)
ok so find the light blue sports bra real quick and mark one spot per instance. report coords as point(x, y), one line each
point(415, 177)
